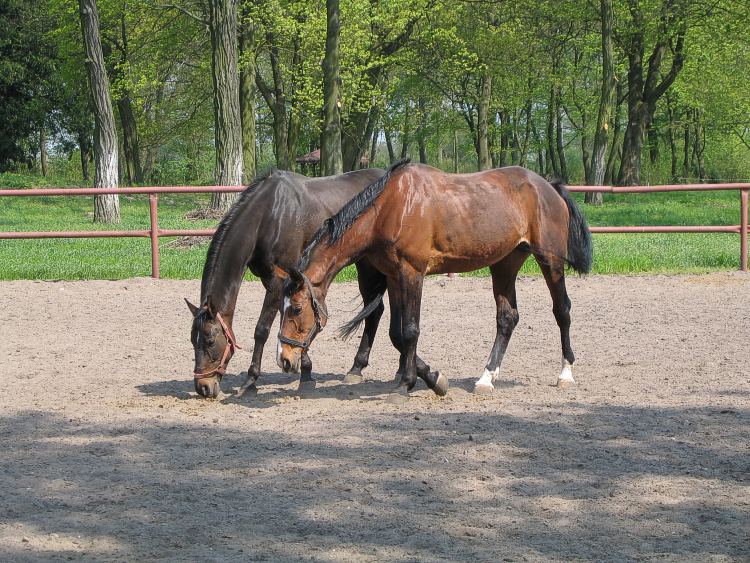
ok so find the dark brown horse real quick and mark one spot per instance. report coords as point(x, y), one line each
point(270, 224)
point(417, 220)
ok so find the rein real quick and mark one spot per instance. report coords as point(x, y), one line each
point(229, 349)
point(318, 308)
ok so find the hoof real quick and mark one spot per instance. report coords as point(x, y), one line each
point(306, 388)
point(353, 378)
point(248, 389)
point(398, 397)
point(441, 385)
point(483, 388)
point(565, 383)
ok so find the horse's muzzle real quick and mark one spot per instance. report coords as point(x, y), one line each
point(207, 387)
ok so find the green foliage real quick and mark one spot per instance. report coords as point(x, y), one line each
point(27, 78)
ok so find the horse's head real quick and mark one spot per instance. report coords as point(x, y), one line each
point(214, 345)
point(303, 316)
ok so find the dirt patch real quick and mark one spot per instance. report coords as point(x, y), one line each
point(188, 242)
point(109, 455)
point(204, 213)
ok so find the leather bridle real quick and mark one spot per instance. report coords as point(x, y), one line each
point(229, 349)
point(319, 309)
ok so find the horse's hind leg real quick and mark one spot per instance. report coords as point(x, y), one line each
point(504, 275)
point(554, 274)
point(270, 307)
point(371, 284)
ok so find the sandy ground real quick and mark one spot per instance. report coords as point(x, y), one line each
point(107, 454)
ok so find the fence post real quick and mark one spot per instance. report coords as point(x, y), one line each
point(743, 229)
point(153, 202)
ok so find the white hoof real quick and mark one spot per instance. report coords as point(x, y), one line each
point(483, 385)
point(483, 388)
point(565, 379)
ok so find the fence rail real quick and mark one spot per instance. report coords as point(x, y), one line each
point(154, 232)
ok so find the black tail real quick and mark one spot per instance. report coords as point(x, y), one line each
point(351, 327)
point(580, 248)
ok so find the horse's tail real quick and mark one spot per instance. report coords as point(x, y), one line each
point(346, 330)
point(379, 285)
point(580, 247)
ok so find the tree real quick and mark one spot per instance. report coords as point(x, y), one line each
point(606, 102)
point(330, 138)
point(27, 79)
point(247, 94)
point(645, 91)
point(228, 133)
point(106, 207)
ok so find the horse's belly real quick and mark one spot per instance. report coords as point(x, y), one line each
point(459, 259)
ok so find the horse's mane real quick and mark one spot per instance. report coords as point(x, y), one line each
point(336, 226)
point(224, 225)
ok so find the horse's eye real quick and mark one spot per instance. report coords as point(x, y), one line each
point(210, 341)
point(296, 310)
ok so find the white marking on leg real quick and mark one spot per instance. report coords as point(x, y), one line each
point(487, 378)
point(566, 374)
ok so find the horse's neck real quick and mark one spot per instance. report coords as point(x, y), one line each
point(327, 260)
point(223, 279)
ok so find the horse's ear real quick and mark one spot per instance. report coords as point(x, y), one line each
point(297, 278)
point(208, 307)
point(193, 308)
point(280, 272)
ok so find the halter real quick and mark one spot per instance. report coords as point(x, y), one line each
point(318, 308)
point(228, 350)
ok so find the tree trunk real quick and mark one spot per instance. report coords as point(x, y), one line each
point(699, 146)
point(389, 146)
point(653, 145)
point(43, 150)
point(551, 151)
point(526, 136)
point(421, 130)
point(227, 121)
point(374, 146)
point(247, 98)
point(106, 207)
point(643, 93)
point(607, 101)
point(405, 132)
point(686, 172)
point(671, 139)
point(455, 151)
point(483, 153)
point(615, 151)
point(560, 141)
point(84, 146)
point(131, 149)
point(330, 139)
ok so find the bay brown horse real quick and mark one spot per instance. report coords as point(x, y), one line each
point(270, 223)
point(417, 220)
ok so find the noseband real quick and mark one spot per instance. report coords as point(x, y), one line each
point(318, 309)
point(228, 350)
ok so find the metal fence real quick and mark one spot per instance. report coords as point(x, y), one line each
point(154, 232)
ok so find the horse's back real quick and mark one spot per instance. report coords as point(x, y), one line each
point(472, 220)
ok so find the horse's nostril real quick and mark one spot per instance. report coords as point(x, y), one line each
point(286, 365)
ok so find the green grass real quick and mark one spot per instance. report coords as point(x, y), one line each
point(122, 258)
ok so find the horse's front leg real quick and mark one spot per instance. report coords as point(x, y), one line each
point(271, 303)
point(410, 300)
point(306, 381)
